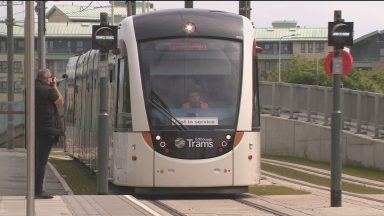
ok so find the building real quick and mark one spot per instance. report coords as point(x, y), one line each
point(368, 51)
point(62, 41)
point(310, 43)
point(68, 33)
point(72, 13)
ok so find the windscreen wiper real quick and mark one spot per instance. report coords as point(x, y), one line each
point(156, 102)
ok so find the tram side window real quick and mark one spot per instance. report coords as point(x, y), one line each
point(123, 117)
point(256, 99)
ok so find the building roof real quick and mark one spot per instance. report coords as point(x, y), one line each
point(367, 36)
point(84, 13)
point(284, 24)
point(301, 34)
point(59, 29)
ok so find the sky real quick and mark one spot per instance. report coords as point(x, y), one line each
point(367, 16)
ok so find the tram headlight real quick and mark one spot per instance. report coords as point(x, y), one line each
point(189, 27)
point(158, 137)
point(228, 137)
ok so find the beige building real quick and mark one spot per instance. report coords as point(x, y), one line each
point(292, 40)
point(68, 33)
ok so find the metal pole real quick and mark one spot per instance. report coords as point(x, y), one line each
point(129, 8)
point(133, 4)
point(103, 121)
point(336, 166)
point(242, 8)
point(143, 6)
point(30, 105)
point(112, 12)
point(376, 112)
point(248, 9)
point(188, 4)
point(41, 33)
point(10, 50)
point(280, 58)
point(317, 66)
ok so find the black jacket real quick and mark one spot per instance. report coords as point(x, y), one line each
point(46, 114)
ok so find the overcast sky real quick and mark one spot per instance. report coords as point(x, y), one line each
point(368, 16)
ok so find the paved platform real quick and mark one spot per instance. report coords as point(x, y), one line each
point(13, 202)
point(76, 205)
point(13, 178)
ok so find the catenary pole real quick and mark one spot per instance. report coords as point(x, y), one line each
point(103, 120)
point(10, 51)
point(143, 3)
point(336, 165)
point(41, 33)
point(188, 4)
point(133, 4)
point(129, 8)
point(30, 105)
point(245, 8)
point(112, 12)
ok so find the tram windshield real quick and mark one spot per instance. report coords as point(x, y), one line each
point(191, 83)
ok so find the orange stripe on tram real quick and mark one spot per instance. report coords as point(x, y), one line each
point(147, 138)
point(238, 137)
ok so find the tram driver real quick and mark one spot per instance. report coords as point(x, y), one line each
point(195, 100)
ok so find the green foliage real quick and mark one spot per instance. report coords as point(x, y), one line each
point(303, 71)
point(266, 190)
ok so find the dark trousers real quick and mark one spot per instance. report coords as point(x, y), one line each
point(43, 146)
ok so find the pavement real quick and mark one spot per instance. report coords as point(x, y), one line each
point(13, 202)
point(13, 178)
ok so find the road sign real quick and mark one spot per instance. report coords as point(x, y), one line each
point(104, 37)
point(340, 33)
point(347, 63)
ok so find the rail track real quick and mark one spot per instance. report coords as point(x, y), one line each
point(326, 173)
point(199, 205)
point(294, 181)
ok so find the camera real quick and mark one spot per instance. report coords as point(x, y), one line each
point(63, 77)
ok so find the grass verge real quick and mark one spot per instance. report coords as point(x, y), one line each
point(372, 174)
point(274, 190)
point(317, 180)
point(78, 177)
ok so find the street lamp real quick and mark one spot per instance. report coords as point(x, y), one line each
point(284, 36)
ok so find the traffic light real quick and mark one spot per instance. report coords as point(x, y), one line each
point(340, 34)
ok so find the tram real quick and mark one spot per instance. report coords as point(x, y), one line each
point(184, 105)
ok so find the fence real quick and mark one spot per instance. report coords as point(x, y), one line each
point(18, 119)
point(362, 111)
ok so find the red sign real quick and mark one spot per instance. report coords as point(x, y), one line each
point(347, 63)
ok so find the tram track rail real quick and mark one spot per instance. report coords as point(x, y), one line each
point(326, 173)
point(167, 208)
point(298, 182)
point(261, 207)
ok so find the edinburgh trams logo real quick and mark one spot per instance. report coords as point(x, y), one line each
point(196, 142)
point(179, 142)
point(200, 142)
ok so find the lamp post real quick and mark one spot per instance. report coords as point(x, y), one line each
point(284, 36)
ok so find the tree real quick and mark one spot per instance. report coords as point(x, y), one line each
point(303, 71)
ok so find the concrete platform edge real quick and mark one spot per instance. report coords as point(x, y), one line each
point(61, 179)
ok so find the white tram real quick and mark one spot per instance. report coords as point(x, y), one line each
point(183, 105)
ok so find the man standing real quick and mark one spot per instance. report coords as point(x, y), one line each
point(47, 129)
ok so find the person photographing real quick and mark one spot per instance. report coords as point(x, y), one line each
point(47, 127)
